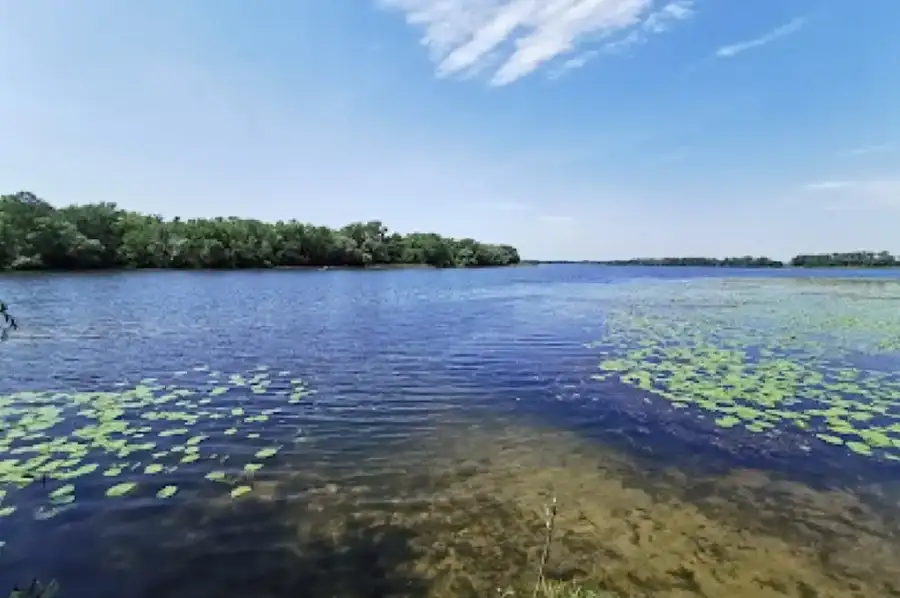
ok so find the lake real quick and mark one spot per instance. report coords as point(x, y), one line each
point(705, 432)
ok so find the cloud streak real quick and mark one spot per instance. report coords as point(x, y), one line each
point(857, 194)
point(870, 149)
point(779, 32)
point(461, 35)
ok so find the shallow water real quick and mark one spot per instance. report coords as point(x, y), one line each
point(399, 433)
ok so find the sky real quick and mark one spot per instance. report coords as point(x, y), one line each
point(572, 129)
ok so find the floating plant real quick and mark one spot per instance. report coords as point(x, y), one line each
point(767, 356)
point(137, 433)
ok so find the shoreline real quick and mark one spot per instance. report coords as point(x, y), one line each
point(373, 267)
point(710, 266)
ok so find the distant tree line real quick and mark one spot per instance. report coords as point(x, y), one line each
point(34, 235)
point(747, 261)
point(854, 259)
point(728, 262)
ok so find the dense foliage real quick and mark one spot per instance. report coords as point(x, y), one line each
point(855, 259)
point(35, 236)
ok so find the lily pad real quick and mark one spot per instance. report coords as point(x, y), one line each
point(121, 489)
point(240, 491)
point(167, 492)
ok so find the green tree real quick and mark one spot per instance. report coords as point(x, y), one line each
point(853, 259)
point(34, 236)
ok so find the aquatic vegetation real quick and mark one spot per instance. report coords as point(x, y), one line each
point(167, 492)
point(37, 590)
point(240, 491)
point(572, 590)
point(462, 514)
point(774, 357)
point(133, 436)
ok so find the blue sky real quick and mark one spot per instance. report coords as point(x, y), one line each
point(569, 128)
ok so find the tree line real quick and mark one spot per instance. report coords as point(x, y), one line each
point(747, 261)
point(34, 235)
point(728, 262)
point(854, 259)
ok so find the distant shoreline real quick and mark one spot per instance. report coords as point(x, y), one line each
point(383, 267)
point(651, 265)
point(770, 265)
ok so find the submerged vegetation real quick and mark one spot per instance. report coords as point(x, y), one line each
point(34, 235)
point(462, 514)
point(36, 589)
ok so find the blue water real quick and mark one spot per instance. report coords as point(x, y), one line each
point(391, 355)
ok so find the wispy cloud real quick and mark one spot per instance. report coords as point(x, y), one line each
point(576, 62)
point(829, 185)
point(460, 35)
point(738, 48)
point(855, 194)
point(659, 21)
point(870, 149)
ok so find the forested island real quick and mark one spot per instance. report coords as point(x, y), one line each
point(34, 235)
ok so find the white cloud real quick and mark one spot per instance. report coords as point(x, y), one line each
point(858, 194)
point(827, 185)
point(870, 149)
point(659, 21)
point(738, 48)
point(576, 62)
point(461, 34)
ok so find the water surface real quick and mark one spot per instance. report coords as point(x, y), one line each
point(399, 433)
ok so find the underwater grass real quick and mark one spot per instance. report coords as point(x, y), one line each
point(36, 589)
point(461, 512)
point(131, 438)
point(769, 357)
point(573, 590)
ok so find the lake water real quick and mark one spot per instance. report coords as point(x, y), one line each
point(400, 433)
